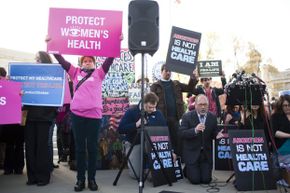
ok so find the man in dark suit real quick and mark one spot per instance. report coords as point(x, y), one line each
point(197, 129)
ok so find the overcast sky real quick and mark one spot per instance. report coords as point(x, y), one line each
point(262, 22)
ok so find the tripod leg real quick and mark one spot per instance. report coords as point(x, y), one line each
point(158, 159)
point(122, 166)
point(125, 159)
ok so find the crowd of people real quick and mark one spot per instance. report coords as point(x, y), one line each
point(189, 129)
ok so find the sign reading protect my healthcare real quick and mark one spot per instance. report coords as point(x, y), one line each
point(84, 32)
point(43, 84)
point(183, 50)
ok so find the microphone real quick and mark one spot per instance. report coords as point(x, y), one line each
point(254, 75)
point(239, 78)
point(202, 119)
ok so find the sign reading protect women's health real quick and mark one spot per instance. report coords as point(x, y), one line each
point(84, 32)
point(10, 102)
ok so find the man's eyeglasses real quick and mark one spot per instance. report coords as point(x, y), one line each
point(202, 104)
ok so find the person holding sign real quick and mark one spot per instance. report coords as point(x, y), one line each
point(12, 136)
point(36, 135)
point(197, 129)
point(171, 102)
point(212, 93)
point(131, 122)
point(86, 108)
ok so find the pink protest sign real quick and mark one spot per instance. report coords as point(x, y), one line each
point(84, 32)
point(10, 102)
point(67, 95)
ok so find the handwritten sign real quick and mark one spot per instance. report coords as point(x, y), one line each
point(135, 92)
point(183, 50)
point(84, 32)
point(112, 106)
point(251, 160)
point(120, 75)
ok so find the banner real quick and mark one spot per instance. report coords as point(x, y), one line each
point(10, 102)
point(183, 50)
point(209, 68)
point(84, 32)
point(43, 84)
point(121, 74)
point(252, 167)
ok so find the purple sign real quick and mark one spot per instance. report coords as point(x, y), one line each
point(84, 32)
point(10, 102)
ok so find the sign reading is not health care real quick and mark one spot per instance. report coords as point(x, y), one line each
point(183, 50)
point(84, 32)
point(251, 160)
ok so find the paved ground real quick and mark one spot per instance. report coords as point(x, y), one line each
point(63, 179)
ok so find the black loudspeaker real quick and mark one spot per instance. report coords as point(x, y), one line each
point(143, 23)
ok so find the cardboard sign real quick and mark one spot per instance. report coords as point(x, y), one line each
point(112, 106)
point(223, 157)
point(84, 32)
point(43, 84)
point(252, 167)
point(161, 143)
point(121, 74)
point(135, 92)
point(183, 50)
point(10, 102)
point(209, 68)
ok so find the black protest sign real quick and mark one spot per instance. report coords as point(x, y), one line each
point(159, 136)
point(209, 68)
point(223, 157)
point(251, 162)
point(183, 50)
point(178, 169)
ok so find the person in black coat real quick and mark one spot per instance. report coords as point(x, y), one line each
point(36, 133)
point(197, 129)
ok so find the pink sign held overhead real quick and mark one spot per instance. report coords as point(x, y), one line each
point(10, 102)
point(84, 32)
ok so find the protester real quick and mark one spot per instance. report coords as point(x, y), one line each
point(3, 74)
point(171, 102)
point(233, 115)
point(258, 119)
point(130, 123)
point(13, 136)
point(197, 129)
point(86, 108)
point(212, 93)
point(38, 123)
